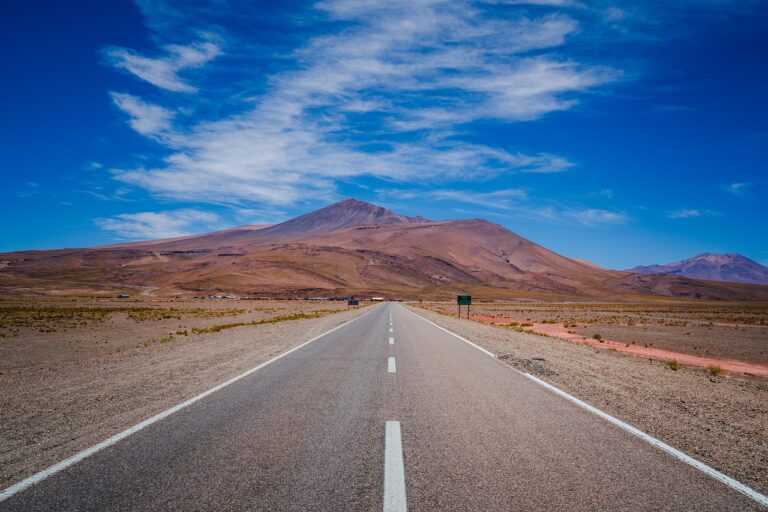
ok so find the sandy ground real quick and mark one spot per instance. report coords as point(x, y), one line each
point(47, 332)
point(715, 364)
point(64, 391)
point(746, 343)
point(647, 350)
point(712, 330)
point(722, 421)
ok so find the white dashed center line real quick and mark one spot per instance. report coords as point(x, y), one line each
point(391, 340)
point(394, 470)
point(391, 365)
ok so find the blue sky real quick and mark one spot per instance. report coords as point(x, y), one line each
point(620, 132)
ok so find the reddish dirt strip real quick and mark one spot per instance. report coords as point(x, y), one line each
point(561, 332)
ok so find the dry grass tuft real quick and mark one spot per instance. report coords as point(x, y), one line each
point(714, 370)
point(273, 320)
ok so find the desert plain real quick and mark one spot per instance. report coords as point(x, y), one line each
point(76, 370)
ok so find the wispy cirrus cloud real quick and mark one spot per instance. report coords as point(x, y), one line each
point(164, 71)
point(152, 225)
point(503, 199)
point(605, 193)
point(553, 3)
point(596, 216)
point(737, 188)
point(512, 202)
point(392, 95)
point(690, 213)
point(145, 118)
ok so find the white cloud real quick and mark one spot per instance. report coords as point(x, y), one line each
point(614, 14)
point(512, 202)
point(690, 213)
point(145, 118)
point(502, 199)
point(605, 193)
point(737, 189)
point(594, 216)
point(164, 71)
point(686, 213)
point(259, 216)
point(497, 198)
point(426, 67)
point(152, 225)
point(523, 91)
point(552, 3)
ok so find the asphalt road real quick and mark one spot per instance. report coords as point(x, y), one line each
point(367, 419)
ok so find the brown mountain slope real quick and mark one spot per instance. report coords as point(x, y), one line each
point(216, 238)
point(475, 251)
point(349, 247)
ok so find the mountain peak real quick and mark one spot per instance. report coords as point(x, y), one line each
point(351, 201)
point(356, 205)
point(713, 266)
point(720, 257)
point(344, 214)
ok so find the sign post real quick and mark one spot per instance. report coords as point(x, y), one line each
point(463, 300)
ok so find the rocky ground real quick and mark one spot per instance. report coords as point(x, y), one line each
point(720, 420)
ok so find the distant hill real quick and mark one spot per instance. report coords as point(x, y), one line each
point(733, 268)
point(350, 247)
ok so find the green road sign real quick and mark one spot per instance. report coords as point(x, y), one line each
point(463, 300)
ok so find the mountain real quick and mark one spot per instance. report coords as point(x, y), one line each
point(733, 268)
point(344, 214)
point(350, 247)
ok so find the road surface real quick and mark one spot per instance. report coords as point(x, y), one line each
point(388, 412)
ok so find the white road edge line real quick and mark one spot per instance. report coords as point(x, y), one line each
point(391, 340)
point(391, 364)
point(661, 445)
point(394, 469)
point(465, 340)
point(61, 466)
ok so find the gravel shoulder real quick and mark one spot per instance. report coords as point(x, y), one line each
point(722, 421)
point(50, 411)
